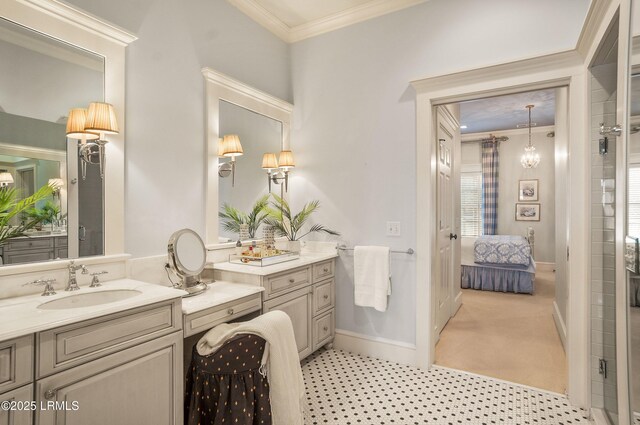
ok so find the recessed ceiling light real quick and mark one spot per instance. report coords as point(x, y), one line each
point(463, 127)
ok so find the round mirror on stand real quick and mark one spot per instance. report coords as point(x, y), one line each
point(187, 257)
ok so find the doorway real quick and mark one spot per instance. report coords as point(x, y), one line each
point(508, 321)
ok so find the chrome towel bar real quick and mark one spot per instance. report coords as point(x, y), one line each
point(409, 251)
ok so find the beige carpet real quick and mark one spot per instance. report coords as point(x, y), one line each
point(507, 336)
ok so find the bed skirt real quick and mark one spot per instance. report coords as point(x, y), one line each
point(499, 280)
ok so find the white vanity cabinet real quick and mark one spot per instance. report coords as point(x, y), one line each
point(16, 377)
point(124, 368)
point(304, 289)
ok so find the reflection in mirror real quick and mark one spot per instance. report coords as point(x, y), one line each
point(187, 257)
point(44, 79)
point(258, 135)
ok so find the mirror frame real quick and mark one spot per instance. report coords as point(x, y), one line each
point(81, 29)
point(222, 87)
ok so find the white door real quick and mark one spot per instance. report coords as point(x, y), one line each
point(445, 221)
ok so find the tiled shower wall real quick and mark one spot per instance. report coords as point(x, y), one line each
point(603, 169)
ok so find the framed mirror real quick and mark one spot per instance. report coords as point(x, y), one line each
point(263, 125)
point(58, 63)
point(258, 134)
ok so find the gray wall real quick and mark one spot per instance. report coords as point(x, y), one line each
point(165, 134)
point(510, 172)
point(354, 122)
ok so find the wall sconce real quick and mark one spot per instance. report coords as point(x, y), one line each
point(5, 178)
point(281, 173)
point(229, 146)
point(56, 184)
point(90, 127)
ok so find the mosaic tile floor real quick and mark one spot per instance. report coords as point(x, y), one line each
point(344, 389)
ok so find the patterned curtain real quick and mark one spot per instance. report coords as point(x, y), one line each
point(490, 163)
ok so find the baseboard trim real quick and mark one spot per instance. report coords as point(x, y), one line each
point(560, 326)
point(379, 348)
point(457, 303)
point(545, 267)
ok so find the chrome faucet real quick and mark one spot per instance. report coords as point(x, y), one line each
point(72, 285)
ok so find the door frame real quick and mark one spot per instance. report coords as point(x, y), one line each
point(551, 71)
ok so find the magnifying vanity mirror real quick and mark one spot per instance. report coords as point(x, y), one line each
point(44, 79)
point(187, 258)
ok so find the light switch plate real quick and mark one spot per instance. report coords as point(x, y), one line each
point(393, 228)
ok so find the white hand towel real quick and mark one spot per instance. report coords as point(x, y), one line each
point(372, 277)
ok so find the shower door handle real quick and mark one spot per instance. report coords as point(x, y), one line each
point(614, 130)
point(82, 233)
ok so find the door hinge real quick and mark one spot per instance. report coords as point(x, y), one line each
point(567, 253)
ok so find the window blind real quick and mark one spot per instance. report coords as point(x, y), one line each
point(471, 203)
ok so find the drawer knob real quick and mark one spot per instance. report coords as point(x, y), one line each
point(326, 296)
point(230, 311)
point(326, 328)
point(50, 394)
point(326, 269)
point(292, 280)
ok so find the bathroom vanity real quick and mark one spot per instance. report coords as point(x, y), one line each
point(92, 362)
point(302, 288)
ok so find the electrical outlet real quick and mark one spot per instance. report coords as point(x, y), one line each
point(393, 228)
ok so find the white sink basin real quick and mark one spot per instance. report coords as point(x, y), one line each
point(88, 299)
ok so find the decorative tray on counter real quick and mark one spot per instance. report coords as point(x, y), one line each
point(258, 261)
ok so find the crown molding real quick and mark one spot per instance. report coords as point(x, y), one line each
point(511, 132)
point(369, 10)
point(364, 12)
point(82, 20)
point(238, 86)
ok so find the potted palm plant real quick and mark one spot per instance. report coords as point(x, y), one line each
point(11, 206)
point(48, 214)
point(233, 218)
point(291, 225)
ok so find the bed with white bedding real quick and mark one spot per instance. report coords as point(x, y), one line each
point(502, 263)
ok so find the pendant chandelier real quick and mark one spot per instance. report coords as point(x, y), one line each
point(530, 158)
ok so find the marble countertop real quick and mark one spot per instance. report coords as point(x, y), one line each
point(21, 316)
point(305, 259)
point(218, 293)
point(36, 235)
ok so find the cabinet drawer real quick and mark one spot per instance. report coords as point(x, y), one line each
point(322, 270)
point(71, 345)
point(16, 362)
point(324, 296)
point(283, 282)
point(207, 319)
point(16, 257)
point(17, 417)
point(61, 242)
point(30, 243)
point(323, 329)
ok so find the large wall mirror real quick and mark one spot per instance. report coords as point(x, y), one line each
point(258, 134)
point(56, 58)
point(262, 124)
point(43, 80)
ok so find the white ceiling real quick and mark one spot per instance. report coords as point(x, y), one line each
point(295, 20)
point(507, 112)
point(299, 12)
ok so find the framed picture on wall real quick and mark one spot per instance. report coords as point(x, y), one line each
point(527, 212)
point(527, 190)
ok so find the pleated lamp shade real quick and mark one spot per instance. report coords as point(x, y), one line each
point(232, 145)
point(269, 161)
point(101, 117)
point(56, 183)
point(286, 159)
point(76, 125)
point(5, 178)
